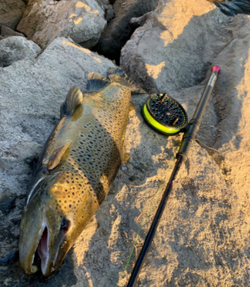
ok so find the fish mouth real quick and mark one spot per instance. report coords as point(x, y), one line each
point(47, 251)
point(37, 255)
point(50, 259)
point(43, 250)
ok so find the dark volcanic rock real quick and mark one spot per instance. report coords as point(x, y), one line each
point(119, 30)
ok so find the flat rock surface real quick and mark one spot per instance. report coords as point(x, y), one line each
point(203, 236)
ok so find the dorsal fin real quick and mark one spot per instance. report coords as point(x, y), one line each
point(73, 99)
point(117, 75)
point(54, 159)
point(116, 71)
point(96, 82)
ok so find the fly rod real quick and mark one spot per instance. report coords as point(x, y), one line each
point(174, 122)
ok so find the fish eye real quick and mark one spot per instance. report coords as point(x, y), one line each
point(65, 224)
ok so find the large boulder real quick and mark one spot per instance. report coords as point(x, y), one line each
point(175, 45)
point(16, 48)
point(44, 20)
point(11, 12)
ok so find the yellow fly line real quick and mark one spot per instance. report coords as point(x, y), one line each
point(161, 128)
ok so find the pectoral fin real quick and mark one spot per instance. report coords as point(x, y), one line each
point(73, 99)
point(54, 159)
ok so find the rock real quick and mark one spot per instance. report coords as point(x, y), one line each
point(179, 36)
point(7, 32)
point(11, 12)
point(16, 48)
point(119, 30)
point(136, 22)
point(44, 20)
point(7, 204)
point(232, 108)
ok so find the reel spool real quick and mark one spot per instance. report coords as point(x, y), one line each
point(164, 114)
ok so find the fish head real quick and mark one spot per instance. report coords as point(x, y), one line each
point(51, 224)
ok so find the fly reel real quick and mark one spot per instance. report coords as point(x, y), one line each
point(164, 114)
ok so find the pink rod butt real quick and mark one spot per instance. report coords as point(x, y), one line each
point(216, 68)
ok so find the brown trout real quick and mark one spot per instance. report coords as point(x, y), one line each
point(75, 171)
